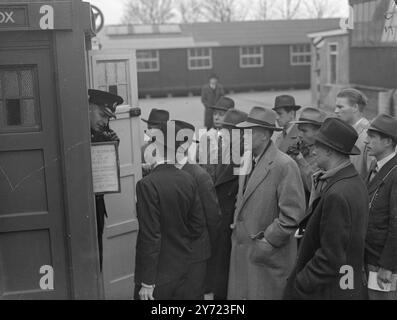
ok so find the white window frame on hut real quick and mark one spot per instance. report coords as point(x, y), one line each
point(333, 53)
point(300, 54)
point(199, 58)
point(250, 54)
point(149, 63)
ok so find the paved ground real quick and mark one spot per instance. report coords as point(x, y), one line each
point(190, 108)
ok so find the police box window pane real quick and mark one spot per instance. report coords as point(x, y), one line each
point(13, 112)
point(122, 90)
point(333, 69)
point(27, 83)
point(11, 85)
point(113, 89)
point(122, 72)
point(101, 74)
point(111, 73)
point(28, 112)
point(19, 110)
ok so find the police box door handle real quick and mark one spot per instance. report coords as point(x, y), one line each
point(135, 112)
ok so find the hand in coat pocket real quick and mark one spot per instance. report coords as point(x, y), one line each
point(262, 252)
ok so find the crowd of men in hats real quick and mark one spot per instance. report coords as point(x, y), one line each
point(313, 217)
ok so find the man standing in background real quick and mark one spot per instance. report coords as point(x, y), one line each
point(381, 240)
point(199, 281)
point(350, 105)
point(211, 93)
point(286, 109)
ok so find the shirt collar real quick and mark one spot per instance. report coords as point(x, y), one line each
point(382, 163)
point(290, 126)
point(357, 124)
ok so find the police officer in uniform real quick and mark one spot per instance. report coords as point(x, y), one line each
point(102, 107)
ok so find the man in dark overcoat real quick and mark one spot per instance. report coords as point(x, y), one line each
point(381, 241)
point(331, 255)
point(102, 107)
point(226, 185)
point(198, 279)
point(171, 219)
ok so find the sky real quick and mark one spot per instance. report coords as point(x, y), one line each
point(113, 9)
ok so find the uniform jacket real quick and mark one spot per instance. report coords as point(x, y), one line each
point(334, 238)
point(100, 206)
point(226, 185)
point(274, 204)
point(202, 247)
point(210, 97)
point(170, 219)
point(283, 143)
point(381, 242)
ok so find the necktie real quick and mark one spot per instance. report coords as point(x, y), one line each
point(373, 170)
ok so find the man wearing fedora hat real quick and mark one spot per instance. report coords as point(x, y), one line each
point(226, 185)
point(286, 109)
point(102, 108)
point(381, 240)
point(199, 277)
point(171, 218)
point(211, 142)
point(157, 118)
point(211, 93)
point(270, 204)
point(334, 239)
point(309, 123)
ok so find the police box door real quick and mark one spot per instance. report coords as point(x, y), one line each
point(32, 221)
point(116, 73)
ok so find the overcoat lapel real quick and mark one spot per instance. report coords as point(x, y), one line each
point(375, 182)
point(347, 172)
point(258, 175)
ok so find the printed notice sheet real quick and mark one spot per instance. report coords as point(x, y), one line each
point(105, 167)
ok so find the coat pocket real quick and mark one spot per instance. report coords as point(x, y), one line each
point(263, 253)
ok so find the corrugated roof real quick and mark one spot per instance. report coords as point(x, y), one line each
point(244, 33)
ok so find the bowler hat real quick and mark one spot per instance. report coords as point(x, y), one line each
point(260, 117)
point(285, 101)
point(339, 136)
point(386, 125)
point(234, 117)
point(224, 104)
point(312, 116)
point(157, 117)
point(105, 100)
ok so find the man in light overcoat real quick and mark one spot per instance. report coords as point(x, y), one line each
point(270, 205)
